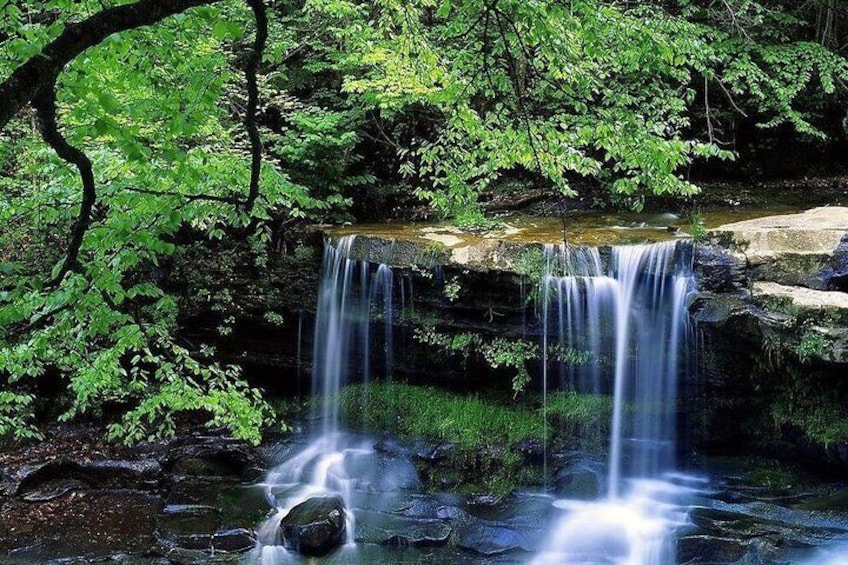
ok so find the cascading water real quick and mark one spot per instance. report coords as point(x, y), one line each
point(351, 294)
point(633, 316)
point(613, 330)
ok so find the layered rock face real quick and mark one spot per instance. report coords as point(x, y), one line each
point(773, 316)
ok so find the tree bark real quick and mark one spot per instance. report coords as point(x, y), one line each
point(45, 107)
point(261, 18)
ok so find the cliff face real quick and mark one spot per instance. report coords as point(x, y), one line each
point(773, 319)
point(769, 321)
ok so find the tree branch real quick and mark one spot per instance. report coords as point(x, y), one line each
point(45, 107)
point(24, 84)
point(186, 197)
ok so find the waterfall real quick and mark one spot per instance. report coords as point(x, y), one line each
point(352, 294)
point(628, 323)
point(613, 324)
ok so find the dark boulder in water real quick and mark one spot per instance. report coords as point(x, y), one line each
point(578, 480)
point(314, 527)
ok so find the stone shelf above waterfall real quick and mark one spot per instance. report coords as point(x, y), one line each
point(430, 245)
point(807, 249)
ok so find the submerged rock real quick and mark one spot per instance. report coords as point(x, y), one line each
point(710, 549)
point(314, 527)
point(237, 540)
point(387, 528)
point(188, 519)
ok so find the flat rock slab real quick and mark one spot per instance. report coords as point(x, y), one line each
point(804, 249)
point(824, 315)
point(393, 529)
point(91, 524)
point(816, 231)
point(803, 298)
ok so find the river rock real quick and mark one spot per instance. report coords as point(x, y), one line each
point(710, 549)
point(791, 249)
point(579, 480)
point(718, 270)
point(45, 481)
point(212, 456)
point(236, 540)
point(386, 528)
point(513, 523)
point(189, 519)
point(314, 527)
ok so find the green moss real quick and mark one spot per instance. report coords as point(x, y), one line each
point(484, 434)
point(773, 476)
point(411, 412)
point(822, 420)
point(581, 420)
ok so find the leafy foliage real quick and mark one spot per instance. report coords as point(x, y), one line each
point(588, 89)
point(496, 352)
point(165, 159)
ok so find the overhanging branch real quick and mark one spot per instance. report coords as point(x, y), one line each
point(24, 84)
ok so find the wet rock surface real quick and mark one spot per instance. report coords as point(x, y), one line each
point(579, 480)
point(74, 495)
point(718, 270)
point(315, 526)
point(213, 520)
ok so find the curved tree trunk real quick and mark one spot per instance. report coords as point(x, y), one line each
point(35, 82)
point(45, 107)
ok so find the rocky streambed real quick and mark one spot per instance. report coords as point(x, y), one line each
point(73, 496)
point(194, 501)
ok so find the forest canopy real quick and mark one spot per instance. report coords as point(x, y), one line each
point(131, 128)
